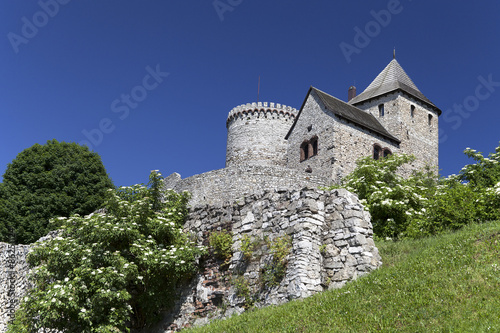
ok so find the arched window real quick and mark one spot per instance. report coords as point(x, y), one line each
point(377, 151)
point(304, 151)
point(387, 152)
point(309, 148)
point(381, 110)
point(314, 146)
point(430, 119)
point(412, 111)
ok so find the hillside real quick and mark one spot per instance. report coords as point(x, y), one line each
point(447, 283)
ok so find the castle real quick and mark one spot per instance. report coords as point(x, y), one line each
point(273, 146)
point(276, 159)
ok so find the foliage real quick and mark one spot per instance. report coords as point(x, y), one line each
point(275, 270)
point(422, 204)
point(322, 249)
point(243, 289)
point(452, 205)
point(448, 283)
point(248, 246)
point(222, 242)
point(390, 198)
point(471, 197)
point(110, 271)
point(485, 173)
point(46, 181)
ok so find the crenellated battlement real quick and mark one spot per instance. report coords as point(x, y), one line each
point(261, 109)
point(256, 134)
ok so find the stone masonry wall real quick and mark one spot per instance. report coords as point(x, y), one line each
point(340, 143)
point(228, 184)
point(418, 136)
point(331, 243)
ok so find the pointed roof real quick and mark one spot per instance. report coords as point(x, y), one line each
point(348, 112)
point(392, 78)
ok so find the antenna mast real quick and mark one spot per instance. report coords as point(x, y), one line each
point(258, 89)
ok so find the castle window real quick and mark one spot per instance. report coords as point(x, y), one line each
point(412, 111)
point(430, 120)
point(377, 152)
point(314, 146)
point(304, 151)
point(309, 148)
point(387, 152)
point(381, 110)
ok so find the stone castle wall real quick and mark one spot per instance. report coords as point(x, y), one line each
point(340, 143)
point(228, 184)
point(256, 134)
point(331, 243)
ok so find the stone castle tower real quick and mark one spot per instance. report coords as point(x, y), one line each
point(256, 134)
point(404, 111)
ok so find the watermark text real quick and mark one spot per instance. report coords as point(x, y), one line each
point(123, 105)
point(372, 29)
point(460, 111)
point(223, 6)
point(30, 27)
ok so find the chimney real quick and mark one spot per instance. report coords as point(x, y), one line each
point(351, 93)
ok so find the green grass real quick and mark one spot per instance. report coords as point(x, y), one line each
point(447, 283)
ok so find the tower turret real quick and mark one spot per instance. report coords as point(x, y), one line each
point(256, 134)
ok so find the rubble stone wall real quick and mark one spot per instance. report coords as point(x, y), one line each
point(331, 243)
point(233, 183)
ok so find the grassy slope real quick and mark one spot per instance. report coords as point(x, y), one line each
point(449, 283)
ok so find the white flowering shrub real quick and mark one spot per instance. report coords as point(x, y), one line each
point(423, 204)
point(391, 199)
point(112, 271)
point(485, 173)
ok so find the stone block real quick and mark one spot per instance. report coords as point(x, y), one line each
point(340, 243)
point(354, 249)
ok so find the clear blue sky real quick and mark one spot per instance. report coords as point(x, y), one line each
point(66, 67)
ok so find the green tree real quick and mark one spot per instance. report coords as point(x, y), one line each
point(45, 181)
point(113, 270)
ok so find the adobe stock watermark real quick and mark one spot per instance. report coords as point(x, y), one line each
point(122, 106)
point(470, 104)
point(11, 302)
point(223, 6)
point(372, 29)
point(29, 28)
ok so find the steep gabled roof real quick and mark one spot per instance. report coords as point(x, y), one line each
point(392, 78)
point(348, 112)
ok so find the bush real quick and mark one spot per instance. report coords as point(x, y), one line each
point(111, 271)
point(43, 182)
point(391, 199)
point(275, 270)
point(422, 204)
point(222, 242)
point(451, 206)
point(485, 173)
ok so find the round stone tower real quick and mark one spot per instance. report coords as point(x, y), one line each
point(256, 134)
